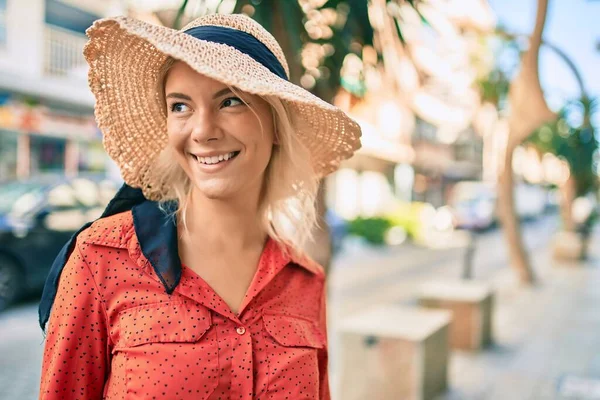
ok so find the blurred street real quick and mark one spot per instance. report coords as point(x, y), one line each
point(538, 342)
point(541, 345)
point(393, 274)
point(542, 350)
point(474, 115)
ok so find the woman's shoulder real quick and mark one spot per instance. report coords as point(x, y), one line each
point(302, 259)
point(114, 230)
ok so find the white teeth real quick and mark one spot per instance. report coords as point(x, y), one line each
point(215, 159)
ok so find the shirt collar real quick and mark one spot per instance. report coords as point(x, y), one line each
point(156, 231)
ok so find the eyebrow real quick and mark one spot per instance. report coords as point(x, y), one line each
point(182, 96)
point(179, 96)
point(222, 92)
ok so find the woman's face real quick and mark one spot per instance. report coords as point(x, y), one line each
point(222, 145)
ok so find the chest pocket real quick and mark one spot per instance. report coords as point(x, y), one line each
point(293, 346)
point(167, 350)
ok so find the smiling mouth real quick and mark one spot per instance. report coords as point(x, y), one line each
point(216, 159)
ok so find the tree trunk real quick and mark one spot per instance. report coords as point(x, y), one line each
point(282, 35)
point(528, 111)
point(567, 197)
point(528, 107)
point(319, 249)
point(519, 259)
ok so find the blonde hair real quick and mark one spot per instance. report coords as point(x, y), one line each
point(287, 204)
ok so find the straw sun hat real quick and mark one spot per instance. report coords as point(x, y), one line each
point(125, 56)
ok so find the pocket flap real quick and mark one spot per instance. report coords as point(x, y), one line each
point(294, 331)
point(164, 322)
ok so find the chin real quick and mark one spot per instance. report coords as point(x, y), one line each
point(214, 190)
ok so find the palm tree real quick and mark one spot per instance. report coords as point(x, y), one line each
point(528, 111)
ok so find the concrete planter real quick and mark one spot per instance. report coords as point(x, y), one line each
point(393, 352)
point(472, 307)
point(569, 246)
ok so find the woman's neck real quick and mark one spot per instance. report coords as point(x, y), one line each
point(224, 225)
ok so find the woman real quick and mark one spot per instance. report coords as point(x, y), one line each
point(192, 286)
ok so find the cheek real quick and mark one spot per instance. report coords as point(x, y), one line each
point(175, 134)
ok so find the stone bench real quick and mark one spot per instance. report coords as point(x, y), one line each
point(471, 304)
point(394, 352)
point(567, 246)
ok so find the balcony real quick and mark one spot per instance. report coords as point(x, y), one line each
point(63, 53)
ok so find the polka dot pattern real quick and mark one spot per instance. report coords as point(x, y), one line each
point(115, 333)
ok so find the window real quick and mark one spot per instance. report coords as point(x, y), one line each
point(3, 23)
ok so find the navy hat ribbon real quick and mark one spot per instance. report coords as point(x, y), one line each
point(242, 41)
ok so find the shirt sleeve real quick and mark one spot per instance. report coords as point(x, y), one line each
point(75, 354)
point(323, 353)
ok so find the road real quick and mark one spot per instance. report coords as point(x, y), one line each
point(392, 275)
point(357, 281)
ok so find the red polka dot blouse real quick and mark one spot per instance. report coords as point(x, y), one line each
point(115, 333)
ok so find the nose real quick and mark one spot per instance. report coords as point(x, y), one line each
point(204, 127)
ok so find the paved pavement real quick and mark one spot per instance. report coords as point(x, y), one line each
point(547, 341)
point(21, 347)
point(546, 337)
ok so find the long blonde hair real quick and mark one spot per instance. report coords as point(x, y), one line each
point(287, 203)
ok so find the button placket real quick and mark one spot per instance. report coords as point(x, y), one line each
point(242, 382)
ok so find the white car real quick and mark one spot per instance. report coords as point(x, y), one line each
point(473, 205)
point(530, 200)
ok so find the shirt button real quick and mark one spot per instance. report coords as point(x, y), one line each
point(241, 330)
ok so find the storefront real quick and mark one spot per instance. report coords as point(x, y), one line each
point(379, 175)
point(8, 154)
point(46, 154)
point(38, 140)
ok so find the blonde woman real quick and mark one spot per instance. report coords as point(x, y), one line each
point(192, 285)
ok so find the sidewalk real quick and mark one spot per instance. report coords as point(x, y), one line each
point(547, 338)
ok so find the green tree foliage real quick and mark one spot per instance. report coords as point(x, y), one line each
point(373, 230)
point(578, 146)
point(344, 28)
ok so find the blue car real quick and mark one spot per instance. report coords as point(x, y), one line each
point(338, 229)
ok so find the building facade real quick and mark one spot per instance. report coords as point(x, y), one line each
point(46, 109)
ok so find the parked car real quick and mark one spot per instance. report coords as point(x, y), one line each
point(530, 200)
point(473, 205)
point(37, 217)
point(338, 229)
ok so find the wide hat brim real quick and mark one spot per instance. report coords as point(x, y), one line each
point(125, 56)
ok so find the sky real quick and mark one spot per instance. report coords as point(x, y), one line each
point(574, 27)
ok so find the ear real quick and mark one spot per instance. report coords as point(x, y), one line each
point(276, 139)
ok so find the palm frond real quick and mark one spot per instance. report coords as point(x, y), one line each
point(179, 16)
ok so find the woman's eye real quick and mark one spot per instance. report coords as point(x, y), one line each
point(178, 107)
point(231, 101)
